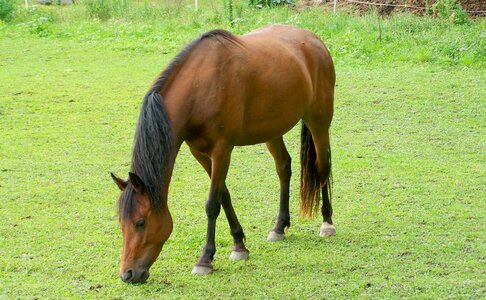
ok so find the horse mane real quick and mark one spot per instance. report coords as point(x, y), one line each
point(217, 34)
point(152, 148)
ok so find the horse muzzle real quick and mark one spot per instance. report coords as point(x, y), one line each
point(134, 275)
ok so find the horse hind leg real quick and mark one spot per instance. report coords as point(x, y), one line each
point(320, 137)
point(283, 165)
point(327, 228)
point(325, 170)
point(324, 159)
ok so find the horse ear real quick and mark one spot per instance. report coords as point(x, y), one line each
point(122, 184)
point(137, 183)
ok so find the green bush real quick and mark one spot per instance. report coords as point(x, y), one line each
point(99, 9)
point(450, 9)
point(7, 9)
point(262, 3)
point(40, 26)
point(106, 9)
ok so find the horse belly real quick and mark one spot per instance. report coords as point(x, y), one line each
point(263, 134)
point(274, 103)
point(270, 115)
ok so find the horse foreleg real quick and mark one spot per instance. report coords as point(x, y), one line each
point(283, 165)
point(239, 250)
point(220, 159)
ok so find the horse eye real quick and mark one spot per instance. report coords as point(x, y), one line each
point(140, 223)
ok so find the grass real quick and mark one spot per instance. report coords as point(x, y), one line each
point(408, 149)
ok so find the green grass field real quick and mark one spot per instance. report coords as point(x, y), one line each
point(408, 142)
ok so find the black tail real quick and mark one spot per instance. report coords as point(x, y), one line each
point(311, 183)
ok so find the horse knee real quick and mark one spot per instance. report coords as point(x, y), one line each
point(225, 198)
point(213, 209)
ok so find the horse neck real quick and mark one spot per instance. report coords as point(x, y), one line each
point(166, 179)
point(178, 102)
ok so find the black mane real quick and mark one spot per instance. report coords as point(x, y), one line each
point(216, 34)
point(152, 148)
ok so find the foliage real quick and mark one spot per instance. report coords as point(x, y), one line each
point(105, 9)
point(40, 26)
point(450, 9)
point(148, 27)
point(270, 3)
point(407, 136)
point(229, 11)
point(7, 9)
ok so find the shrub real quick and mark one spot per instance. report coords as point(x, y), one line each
point(99, 9)
point(450, 9)
point(262, 3)
point(106, 9)
point(7, 9)
point(40, 26)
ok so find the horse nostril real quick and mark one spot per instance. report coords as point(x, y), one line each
point(145, 275)
point(127, 276)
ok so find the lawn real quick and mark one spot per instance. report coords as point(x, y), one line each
point(408, 142)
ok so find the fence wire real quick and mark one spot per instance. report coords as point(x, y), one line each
point(481, 12)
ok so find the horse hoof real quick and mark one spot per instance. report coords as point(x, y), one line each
point(327, 229)
point(201, 270)
point(239, 255)
point(273, 236)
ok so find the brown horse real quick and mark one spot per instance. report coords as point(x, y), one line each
point(224, 91)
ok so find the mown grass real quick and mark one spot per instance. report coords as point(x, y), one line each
point(408, 148)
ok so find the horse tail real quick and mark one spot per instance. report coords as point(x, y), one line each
point(311, 183)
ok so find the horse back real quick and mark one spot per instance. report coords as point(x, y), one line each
point(254, 87)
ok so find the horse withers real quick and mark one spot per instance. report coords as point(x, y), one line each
point(224, 91)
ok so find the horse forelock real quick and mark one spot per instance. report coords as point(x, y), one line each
point(126, 204)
